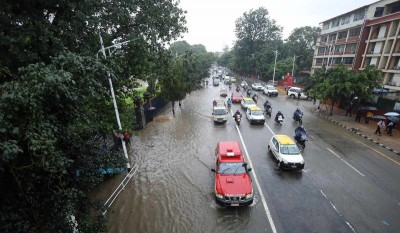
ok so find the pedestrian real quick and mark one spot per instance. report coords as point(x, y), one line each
point(368, 117)
point(380, 124)
point(349, 108)
point(359, 115)
point(285, 85)
point(391, 125)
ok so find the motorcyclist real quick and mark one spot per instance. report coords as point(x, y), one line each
point(255, 98)
point(278, 114)
point(230, 86)
point(297, 114)
point(237, 113)
point(299, 131)
point(248, 92)
point(267, 105)
point(214, 103)
point(237, 88)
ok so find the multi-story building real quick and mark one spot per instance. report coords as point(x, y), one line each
point(368, 35)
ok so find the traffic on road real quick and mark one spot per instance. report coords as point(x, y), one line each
point(256, 175)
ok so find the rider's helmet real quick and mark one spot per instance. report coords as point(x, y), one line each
point(301, 127)
point(237, 111)
point(298, 109)
point(279, 112)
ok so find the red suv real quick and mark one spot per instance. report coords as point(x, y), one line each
point(233, 185)
point(236, 97)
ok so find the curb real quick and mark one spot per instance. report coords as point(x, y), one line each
point(354, 130)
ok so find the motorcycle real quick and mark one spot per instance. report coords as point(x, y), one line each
point(268, 111)
point(255, 99)
point(279, 120)
point(238, 119)
point(248, 93)
point(298, 118)
point(301, 140)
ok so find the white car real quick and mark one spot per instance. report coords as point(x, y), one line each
point(255, 115)
point(247, 103)
point(294, 92)
point(286, 152)
point(257, 86)
point(270, 90)
point(243, 83)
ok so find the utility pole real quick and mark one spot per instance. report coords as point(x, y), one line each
point(128, 165)
point(273, 77)
point(294, 60)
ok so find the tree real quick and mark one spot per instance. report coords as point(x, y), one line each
point(253, 31)
point(51, 123)
point(340, 83)
point(282, 68)
point(301, 42)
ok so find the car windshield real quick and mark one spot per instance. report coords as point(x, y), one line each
point(271, 88)
point(236, 95)
point(289, 149)
point(231, 168)
point(249, 102)
point(219, 111)
point(257, 113)
point(257, 84)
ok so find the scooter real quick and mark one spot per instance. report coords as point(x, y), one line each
point(268, 111)
point(255, 99)
point(248, 93)
point(279, 120)
point(238, 119)
point(301, 140)
point(298, 118)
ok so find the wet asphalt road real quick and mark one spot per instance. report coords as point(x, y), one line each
point(348, 184)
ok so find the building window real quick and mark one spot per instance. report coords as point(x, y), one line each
point(359, 15)
point(348, 60)
point(321, 50)
point(324, 38)
point(378, 11)
point(351, 48)
point(342, 35)
point(393, 7)
point(318, 61)
point(332, 37)
point(354, 32)
point(335, 23)
point(337, 60)
point(325, 26)
point(346, 19)
point(339, 49)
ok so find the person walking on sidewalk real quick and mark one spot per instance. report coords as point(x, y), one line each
point(391, 125)
point(359, 115)
point(349, 108)
point(380, 124)
point(368, 117)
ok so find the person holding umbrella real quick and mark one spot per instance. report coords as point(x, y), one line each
point(380, 124)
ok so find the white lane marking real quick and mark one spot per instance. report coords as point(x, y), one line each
point(346, 162)
point(271, 222)
point(334, 207)
point(269, 128)
point(311, 136)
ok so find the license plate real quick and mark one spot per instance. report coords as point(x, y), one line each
point(234, 204)
point(294, 166)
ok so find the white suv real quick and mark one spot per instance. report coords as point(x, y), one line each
point(294, 92)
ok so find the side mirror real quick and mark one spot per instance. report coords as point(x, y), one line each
point(249, 169)
point(213, 170)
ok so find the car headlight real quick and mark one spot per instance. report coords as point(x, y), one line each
point(302, 161)
point(248, 196)
point(219, 195)
point(284, 161)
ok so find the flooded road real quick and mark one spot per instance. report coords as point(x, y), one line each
point(173, 188)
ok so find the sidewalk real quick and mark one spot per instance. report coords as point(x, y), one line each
point(364, 130)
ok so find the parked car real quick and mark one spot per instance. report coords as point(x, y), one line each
point(255, 115)
point(257, 86)
point(270, 90)
point(236, 97)
point(233, 185)
point(294, 92)
point(286, 152)
point(247, 103)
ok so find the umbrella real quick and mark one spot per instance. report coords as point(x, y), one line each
point(391, 114)
point(379, 117)
point(394, 119)
point(368, 108)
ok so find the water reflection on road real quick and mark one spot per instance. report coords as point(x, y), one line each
point(173, 189)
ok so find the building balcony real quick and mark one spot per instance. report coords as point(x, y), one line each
point(353, 38)
point(377, 39)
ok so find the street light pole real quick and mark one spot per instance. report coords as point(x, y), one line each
point(103, 50)
point(273, 77)
point(294, 60)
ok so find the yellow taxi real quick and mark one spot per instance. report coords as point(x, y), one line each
point(286, 152)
